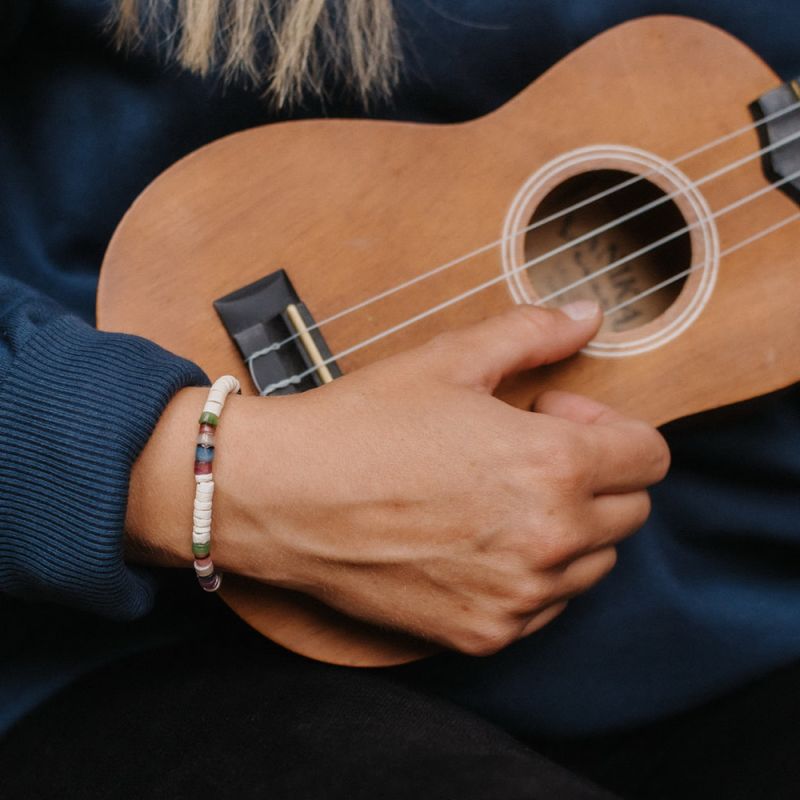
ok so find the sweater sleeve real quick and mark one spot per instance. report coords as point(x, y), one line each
point(78, 406)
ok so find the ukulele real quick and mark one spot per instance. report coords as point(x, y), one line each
point(656, 169)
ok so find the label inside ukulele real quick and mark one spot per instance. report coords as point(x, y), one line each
point(617, 265)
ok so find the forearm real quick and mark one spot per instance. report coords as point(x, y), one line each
point(248, 471)
point(158, 520)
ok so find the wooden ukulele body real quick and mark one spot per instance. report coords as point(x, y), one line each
point(352, 208)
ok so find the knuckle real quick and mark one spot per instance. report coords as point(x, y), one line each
point(443, 355)
point(485, 640)
point(535, 321)
point(526, 314)
point(634, 516)
point(441, 345)
point(528, 590)
point(532, 597)
point(568, 464)
point(557, 547)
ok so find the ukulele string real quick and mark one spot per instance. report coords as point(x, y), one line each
point(700, 265)
point(298, 377)
point(555, 216)
point(663, 240)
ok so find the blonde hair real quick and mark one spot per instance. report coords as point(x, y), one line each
point(307, 41)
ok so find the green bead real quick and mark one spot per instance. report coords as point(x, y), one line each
point(207, 418)
point(201, 550)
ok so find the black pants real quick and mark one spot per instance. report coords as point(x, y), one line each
point(235, 716)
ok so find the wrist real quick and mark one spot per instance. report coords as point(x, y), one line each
point(254, 482)
point(253, 485)
point(158, 517)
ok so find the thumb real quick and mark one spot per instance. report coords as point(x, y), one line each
point(522, 338)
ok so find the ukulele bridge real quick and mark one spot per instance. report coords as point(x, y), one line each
point(277, 336)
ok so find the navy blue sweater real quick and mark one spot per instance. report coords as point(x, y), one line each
point(706, 596)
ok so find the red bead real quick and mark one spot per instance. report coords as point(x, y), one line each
point(202, 467)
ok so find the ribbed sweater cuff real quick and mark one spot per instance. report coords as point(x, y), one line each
point(78, 407)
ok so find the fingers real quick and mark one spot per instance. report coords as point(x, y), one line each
point(522, 338)
point(628, 456)
point(583, 573)
point(618, 516)
point(576, 408)
point(610, 519)
point(579, 576)
point(543, 618)
point(624, 454)
point(625, 457)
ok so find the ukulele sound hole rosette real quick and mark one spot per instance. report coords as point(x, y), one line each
point(638, 237)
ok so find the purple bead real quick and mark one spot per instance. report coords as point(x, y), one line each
point(210, 583)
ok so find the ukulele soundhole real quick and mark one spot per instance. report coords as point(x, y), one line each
point(621, 226)
point(587, 264)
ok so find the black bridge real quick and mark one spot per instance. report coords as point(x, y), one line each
point(277, 337)
point(784, 160)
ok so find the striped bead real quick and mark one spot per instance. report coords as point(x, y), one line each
point(207, 418)
point(201, 550)
point(204, 453)
point(202, 467)
point(211, 582)
point(204, 567)
point(205, 438)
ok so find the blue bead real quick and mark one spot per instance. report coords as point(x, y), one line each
point(204, 454)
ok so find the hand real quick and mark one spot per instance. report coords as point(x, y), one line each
point(406, 494)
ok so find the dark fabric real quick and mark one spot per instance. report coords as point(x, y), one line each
point(742, 746)
point(232, 716)
point(704, 598)
point(65, 483)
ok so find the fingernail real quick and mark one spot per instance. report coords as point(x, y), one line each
point(581, 309)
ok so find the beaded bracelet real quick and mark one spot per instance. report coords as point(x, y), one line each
point(204, 480)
